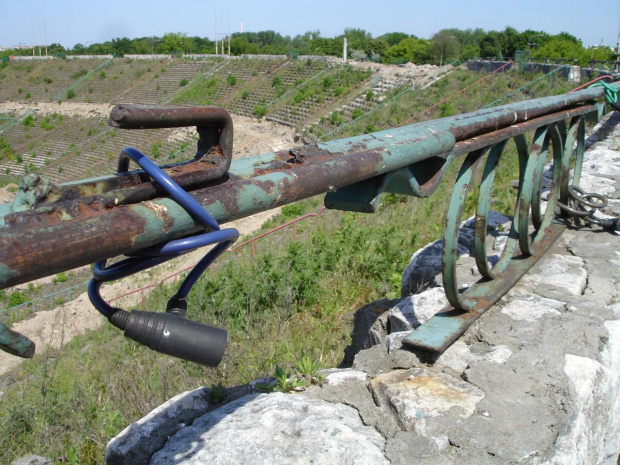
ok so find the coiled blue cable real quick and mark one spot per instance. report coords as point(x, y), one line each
point(155, 255)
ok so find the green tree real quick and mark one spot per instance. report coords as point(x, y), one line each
point(512, 40)
point(394, 38)
point(445, 46)
point(411, 49)
point(491, 45)
point(560, 47)
point(174, 42)
point(144, 45)
point(56, 49)
point(121, 46)
point(78, 49)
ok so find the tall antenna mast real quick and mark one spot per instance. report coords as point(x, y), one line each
point(45, 36)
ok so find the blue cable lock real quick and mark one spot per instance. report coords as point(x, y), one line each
point(169, 333)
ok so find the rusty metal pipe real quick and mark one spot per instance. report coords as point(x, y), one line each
point(71, 233)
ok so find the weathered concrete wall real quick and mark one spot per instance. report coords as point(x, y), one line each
point(488, 66)
point(569, 72)
point(535, 381)
point(149, 57)
point(89, 57)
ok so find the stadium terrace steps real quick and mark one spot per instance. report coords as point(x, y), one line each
point(160, 89)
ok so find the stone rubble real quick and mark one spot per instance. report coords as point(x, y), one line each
point(535, 381)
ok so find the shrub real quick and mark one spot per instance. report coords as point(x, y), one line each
point(259, 111)
point(232, 80)
point(327, 82)
point(79, 74)
point(357, 113)
point(102, 75)
point(6, 150)
point(447, 110)
point(28, 121)
point(336, 118)
point(47, 80)
point(245, 95)
point(292, 211)
point(183, 82)
point(155, 149)
point(369, 128)
point(369, 95)
point(70, 94)
point(17, 298)
point(45, 124)
point(276, 82)
point(27, 96)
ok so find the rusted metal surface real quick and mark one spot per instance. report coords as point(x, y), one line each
point(445, 327)
point(109, 217)
point(211, 162)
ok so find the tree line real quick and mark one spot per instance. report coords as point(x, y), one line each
point(447, 45)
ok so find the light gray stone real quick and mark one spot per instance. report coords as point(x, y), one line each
point(406, 448)
point(394, 341)
point(532, 308)
point(459, 355)
point(276, 428)
point(415, 310)
point(418, 394)
point(603, 162)
point(341, 376)
point(563, 273)
point(32, 460)
point(136, 443)
point(353, 391)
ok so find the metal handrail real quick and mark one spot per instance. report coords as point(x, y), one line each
point(107, 220)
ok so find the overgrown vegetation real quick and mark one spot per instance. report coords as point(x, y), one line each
point(6, 151)
point(288, 309)
point(417, 105)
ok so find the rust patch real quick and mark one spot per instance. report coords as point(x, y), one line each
point(162, 214)
point(272, 167)
point(311, 154)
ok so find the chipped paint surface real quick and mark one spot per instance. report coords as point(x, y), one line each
point(103, 218)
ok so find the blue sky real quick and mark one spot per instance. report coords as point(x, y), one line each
point(69, 21)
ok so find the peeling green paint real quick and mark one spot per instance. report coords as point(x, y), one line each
point(6, 273)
